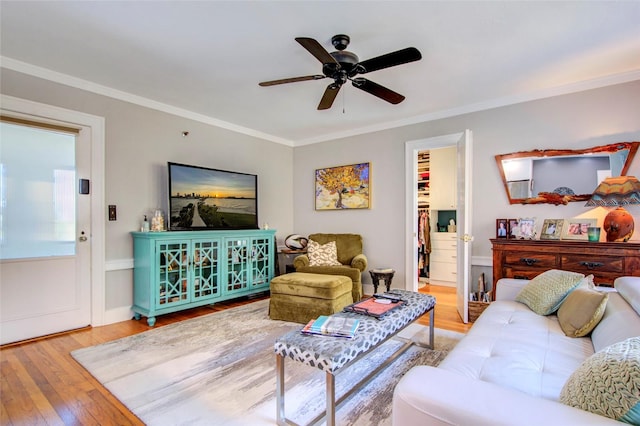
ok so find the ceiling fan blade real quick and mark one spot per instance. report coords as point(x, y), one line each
point(329, 96)
point(316, 50)
point(399, 57)
point(377, 90)
point(291, 80)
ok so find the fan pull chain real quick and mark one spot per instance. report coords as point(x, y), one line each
point(343, 101)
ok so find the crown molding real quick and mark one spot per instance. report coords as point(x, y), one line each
point(566, 89)
point(78, 83)
point(47, 74)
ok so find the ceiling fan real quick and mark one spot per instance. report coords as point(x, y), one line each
point(343, 65)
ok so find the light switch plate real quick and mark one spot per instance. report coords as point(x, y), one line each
point(112, 212)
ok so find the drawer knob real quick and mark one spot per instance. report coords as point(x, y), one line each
point(592, 265)
point(529, 261)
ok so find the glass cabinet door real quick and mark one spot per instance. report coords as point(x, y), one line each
point(260, 261)
point(206, 270)
point(237, 263)
point(173, 273)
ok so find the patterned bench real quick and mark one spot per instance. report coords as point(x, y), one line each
point(331, 354)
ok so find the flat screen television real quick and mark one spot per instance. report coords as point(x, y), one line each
point(201, 198)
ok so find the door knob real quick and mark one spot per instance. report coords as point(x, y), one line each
point(82, 237)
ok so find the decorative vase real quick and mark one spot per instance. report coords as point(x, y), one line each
point(618, 225)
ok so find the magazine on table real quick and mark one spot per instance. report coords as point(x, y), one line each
point(332, 326)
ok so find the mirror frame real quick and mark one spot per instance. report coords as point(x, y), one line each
point(552, 197)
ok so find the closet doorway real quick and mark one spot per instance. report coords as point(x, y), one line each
point(452, 154)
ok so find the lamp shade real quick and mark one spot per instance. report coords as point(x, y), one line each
point(617, 192)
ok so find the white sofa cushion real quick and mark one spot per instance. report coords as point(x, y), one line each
point(620, 322)
point(629, 288)
point(433, 396)
point(511, 346)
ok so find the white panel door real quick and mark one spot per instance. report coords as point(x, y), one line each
point(464, 224)
point(45, 248)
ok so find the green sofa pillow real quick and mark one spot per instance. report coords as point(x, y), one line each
point(581, 311)
point(544, 293)
point(608, 383)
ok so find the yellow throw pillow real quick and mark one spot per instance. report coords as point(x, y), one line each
point(322, 254)
point(581, 311)
point(544, 293)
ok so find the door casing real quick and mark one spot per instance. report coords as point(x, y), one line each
point(411, 220)
point(94, 127)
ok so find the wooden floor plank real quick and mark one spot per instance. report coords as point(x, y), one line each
point(22, 397)
point(42, 384)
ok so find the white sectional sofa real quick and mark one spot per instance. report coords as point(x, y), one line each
point(511, 366)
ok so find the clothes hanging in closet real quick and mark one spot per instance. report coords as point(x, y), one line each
point(424, 242)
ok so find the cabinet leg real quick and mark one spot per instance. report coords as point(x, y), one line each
point(151, 321)
point(136, 316)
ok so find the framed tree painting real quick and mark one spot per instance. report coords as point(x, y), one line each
point(343, 187)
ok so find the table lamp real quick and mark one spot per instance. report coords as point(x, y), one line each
point(617, 192)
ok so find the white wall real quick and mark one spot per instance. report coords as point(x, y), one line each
point(578, 120)
point(139, 143)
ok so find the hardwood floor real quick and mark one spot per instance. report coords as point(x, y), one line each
point(41, 384)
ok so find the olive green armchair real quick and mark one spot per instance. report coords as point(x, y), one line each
point(349, 250)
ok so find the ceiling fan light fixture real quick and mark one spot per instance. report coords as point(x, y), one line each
point(340, 41)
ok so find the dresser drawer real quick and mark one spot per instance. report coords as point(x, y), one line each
point(448, 256)
point(522, 274)
point(531, 259)
point(442, 271)
point(443, 241)
point(590, 265)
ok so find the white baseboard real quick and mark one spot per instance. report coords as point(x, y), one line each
point(481, 261)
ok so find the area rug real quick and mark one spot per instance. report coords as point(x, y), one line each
point(219, 369)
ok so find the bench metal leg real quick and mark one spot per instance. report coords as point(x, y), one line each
point(431, 327)
point(331, 399)
point(280, 416)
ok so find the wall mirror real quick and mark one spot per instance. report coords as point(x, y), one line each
point(558, 176)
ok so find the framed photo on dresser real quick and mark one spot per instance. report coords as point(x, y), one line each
point(552, 229)
point(526, 228)
point(502, 228)
point(576, 228)
point(513, 228)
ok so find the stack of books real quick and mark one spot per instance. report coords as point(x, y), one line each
point(332, 326)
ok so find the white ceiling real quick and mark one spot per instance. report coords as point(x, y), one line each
point(204, 59)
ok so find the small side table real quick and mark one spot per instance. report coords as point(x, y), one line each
point(287, 256)
point(385, 276)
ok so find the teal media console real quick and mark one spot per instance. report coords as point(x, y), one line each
point(183, 269)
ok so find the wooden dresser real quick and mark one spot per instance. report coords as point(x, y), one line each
point(528, 258)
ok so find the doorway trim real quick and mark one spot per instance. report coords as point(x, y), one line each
point(411, 219)
point(94, 127)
